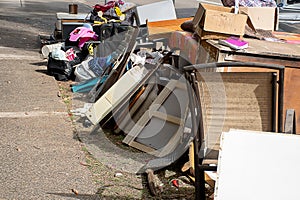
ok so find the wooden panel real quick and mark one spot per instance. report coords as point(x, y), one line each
point(263, 48)
point(165, 26)
point(235, 100)
point(292, 94)
point(116, 94)
point(291, 89)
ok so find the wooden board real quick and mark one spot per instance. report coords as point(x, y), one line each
point(165, 26)
point(235, 100)
point(264, 48)
point(291, 97)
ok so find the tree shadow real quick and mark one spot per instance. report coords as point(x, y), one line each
point(97, 196)
point(25, 23)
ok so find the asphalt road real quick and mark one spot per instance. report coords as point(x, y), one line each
point(40, 157)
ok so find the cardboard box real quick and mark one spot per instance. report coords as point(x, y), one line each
point(218, 19)
point(265, 18)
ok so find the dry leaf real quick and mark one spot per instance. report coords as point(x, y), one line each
point(75, 191)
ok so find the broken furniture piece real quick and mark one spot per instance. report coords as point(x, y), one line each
point(120, 92)
point(220, 101)
point(116, 94)
point(161, 127)
point(118, 67)
point(137, 106)
point(290, 122)
point(260, 51)
point(66, 23)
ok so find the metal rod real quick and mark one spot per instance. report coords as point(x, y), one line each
point(197, 127)
point(274, 101)
point(232, 64)
point(280, 100)
point(195, 131)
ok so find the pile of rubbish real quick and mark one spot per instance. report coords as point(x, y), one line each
point(131, 86)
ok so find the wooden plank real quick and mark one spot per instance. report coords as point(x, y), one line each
point(138, 127)
point(116, 94)
point(144, 148)
point(166, 117)
point(263, 48)
point(165, 26)
point(289, 126)
point(263, 59)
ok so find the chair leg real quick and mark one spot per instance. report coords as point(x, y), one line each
point(200, 193)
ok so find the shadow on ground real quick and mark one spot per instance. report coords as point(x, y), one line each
point(28, 21)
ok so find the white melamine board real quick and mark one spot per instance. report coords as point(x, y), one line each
point(116, 94)
point(163, 10)
point(258, 165)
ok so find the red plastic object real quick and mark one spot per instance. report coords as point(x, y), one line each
point(175, 183)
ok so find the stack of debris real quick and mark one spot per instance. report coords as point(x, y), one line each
point(130, 82)
point(134, 85)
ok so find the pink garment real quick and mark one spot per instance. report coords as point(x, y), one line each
point(108, 5)
point(82, 34)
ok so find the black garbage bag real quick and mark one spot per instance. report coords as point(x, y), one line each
point(62, 70)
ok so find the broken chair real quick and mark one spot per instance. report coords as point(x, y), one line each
point(118, 65)
point(220, 101)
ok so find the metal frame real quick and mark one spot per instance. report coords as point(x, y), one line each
point(197, 118)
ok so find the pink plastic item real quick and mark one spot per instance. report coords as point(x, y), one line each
point(82, 34)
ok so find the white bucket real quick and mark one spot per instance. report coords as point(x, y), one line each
point(46, 49)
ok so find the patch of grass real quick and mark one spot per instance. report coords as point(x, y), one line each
point(111, 186)
point(66, 95)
